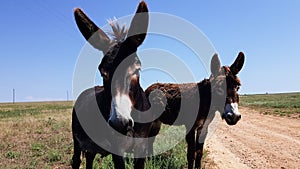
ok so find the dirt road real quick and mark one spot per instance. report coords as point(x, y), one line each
point(257, 141)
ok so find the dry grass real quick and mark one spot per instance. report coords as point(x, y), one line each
point(38, 135)
point(41, 139)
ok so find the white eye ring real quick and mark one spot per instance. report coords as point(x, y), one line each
point(137, 71)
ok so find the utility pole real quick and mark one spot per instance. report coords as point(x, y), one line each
point(14, 96)
point(67, 95)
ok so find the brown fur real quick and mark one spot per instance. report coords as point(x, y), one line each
point(195, 115)
point(115, 52)
point(174, 93)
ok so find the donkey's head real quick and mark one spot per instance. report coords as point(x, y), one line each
point(225, 85)
point(120, 65)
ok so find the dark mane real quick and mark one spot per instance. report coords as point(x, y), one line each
point(119, 33)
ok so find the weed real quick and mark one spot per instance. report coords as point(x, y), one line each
point(54, 156)
point(37, 146)
point(12, 154)
point(33, 164)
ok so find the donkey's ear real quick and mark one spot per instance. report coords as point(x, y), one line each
point(139, 25)
point(238, 64)
point(94, 35)
point(215, 64)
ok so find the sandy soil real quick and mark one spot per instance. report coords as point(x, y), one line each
point(257, 141)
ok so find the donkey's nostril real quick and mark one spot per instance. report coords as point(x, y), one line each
point(229, 116)
point(130, 123)
point(109, 122)
point(239, 117)
point(130, 131)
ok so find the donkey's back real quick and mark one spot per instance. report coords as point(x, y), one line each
point(182, 103)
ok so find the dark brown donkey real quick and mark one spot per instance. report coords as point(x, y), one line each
point(194, 104)
point(116, 101)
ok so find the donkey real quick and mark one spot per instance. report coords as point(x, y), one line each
point(115, 101)
point(201, 101)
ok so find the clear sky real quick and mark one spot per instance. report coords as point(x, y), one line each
point(40, 42)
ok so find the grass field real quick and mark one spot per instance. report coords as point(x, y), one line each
point(38, 135)
point(35, 135)
point(285, 104)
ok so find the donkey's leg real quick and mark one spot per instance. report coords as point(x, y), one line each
point(199, 145)
point(118, 162)
point(89, 159)
point(150, 152)
point(76, 156)
point(199, 154)
point(150, 147)
point(156, 125)
point(139, 163)
point(140, 151)
point(190, 139)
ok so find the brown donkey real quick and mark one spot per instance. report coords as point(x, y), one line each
point(194, 104)
point(116, 102)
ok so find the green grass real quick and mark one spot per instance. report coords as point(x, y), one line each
point(174, 158)
point(31, 108)
point(38, 135)
point(286, 104)
point(12, 154)
point(35, 135)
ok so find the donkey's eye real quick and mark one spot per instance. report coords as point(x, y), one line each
point(137, 71)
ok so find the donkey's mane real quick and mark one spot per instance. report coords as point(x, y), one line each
point(119, 33)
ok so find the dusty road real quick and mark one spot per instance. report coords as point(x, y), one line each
point(257, 141)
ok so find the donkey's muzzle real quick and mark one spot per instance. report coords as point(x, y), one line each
point(231, 118)
point(123, 126)
point(231, 114)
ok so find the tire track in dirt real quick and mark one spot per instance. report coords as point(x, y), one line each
point(257, 141)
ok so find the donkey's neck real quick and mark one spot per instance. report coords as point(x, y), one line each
point(204, 88)
point(141, 102)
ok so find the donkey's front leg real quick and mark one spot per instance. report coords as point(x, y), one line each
point(118, 162)
point(139, 163)
point(199, 154)
point(140, 152)
point(89, 159)
point(155, 128)
point(76, 157)
point(200, 138)
point(190, 139)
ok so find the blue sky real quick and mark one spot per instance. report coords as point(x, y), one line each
point(40, 42)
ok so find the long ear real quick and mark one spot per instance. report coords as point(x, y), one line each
point(238, 64)
point(139, 25)
point(94, 35)
point(215, 64)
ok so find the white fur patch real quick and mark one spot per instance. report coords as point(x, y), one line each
point(232, 108)
point(132, 69)
point(121, 107)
